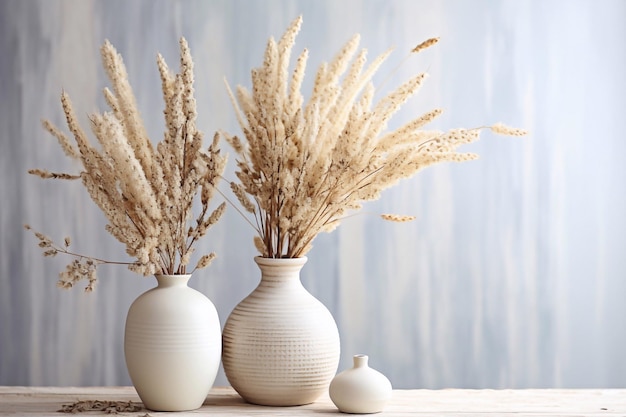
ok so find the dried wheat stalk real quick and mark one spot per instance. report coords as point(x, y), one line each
point(147, 193)
point(303, 166)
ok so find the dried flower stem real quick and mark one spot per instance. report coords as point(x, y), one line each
point(147, 193)
point(305, 165)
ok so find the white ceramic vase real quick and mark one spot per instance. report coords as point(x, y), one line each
point(281, 345)
point(172, 345)
point(361, 389)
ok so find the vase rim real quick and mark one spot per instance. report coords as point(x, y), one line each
point(173, 275)
point(261, 260)
point(165, 280)
point(360, 360)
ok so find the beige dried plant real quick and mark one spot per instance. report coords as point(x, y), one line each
point(156, 199)
point(303, 166)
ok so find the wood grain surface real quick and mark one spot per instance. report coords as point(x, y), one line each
point(224, 401)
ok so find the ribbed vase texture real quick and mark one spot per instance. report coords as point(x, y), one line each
point(281, 345)
point(172, 345)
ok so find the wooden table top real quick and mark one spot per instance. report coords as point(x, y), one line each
point(45, 401)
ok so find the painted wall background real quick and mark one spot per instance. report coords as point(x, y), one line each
point(513, 274)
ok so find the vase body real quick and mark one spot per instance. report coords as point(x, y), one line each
point(361, 389)
point(281, 345)
point(172, 345)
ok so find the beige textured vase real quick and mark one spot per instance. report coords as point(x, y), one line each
point(281, 345)
point(172, 345)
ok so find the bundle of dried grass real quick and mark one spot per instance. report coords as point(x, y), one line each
point(303, 166)
point(147, 194)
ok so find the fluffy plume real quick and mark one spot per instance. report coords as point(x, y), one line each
point(147, 193)
point(305, 165)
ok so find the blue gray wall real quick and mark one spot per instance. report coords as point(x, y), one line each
point(513, 274)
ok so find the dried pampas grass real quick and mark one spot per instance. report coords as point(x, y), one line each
point(303, 166)
point(146, 192)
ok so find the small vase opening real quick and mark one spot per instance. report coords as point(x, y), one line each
point(360, 361)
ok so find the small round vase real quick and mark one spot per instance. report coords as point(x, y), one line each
point(361, 389)
point(172, 345)
point(281, 345)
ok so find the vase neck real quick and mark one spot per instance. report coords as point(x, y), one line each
point(280, 269)
point(165, 281)
point(360, 361)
